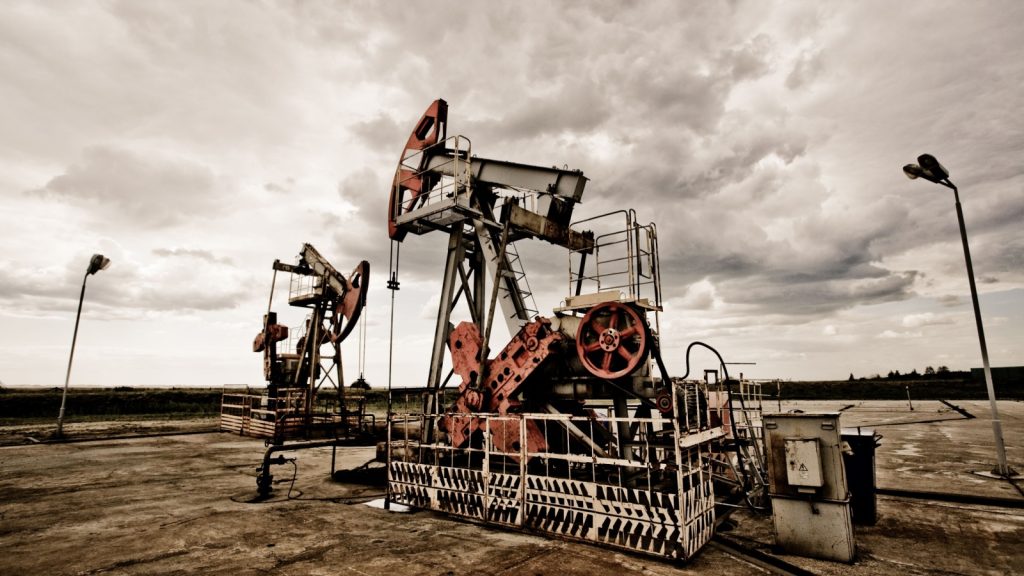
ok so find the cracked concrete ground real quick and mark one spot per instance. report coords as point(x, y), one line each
point(182, 505)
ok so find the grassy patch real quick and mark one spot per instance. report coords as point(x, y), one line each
point(20, 406)
point(108, 402)
point(930, 389)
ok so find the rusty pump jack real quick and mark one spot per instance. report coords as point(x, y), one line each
point(295, 377)
point(335, 303)
point(571, 404)
point(484, 206)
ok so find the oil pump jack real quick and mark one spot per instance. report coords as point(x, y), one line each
point(293, 405)
point(296, 368)
point(573, 427)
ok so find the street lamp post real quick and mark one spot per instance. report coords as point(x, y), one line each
point(97, 263)
point(930, 169)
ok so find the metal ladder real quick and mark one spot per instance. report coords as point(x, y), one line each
point(514, 270)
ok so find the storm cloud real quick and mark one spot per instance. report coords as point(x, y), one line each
point(196, 143)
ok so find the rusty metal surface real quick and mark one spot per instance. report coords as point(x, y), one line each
point(493, 390)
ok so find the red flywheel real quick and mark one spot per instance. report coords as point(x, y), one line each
point(613, 340)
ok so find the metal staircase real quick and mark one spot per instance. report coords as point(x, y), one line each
point(517, 274)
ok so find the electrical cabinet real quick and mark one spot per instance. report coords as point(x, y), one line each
point(807, 485)
point(803, 462)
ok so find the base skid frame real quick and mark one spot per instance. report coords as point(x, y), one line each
point(657, 499)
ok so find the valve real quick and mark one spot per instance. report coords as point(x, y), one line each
point(264, 479)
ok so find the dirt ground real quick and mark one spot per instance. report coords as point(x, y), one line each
point(184, 504)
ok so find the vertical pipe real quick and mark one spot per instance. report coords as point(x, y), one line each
point(579, 277)
point(340, 371)
point(621, 412)
point(393, 287)
point(314, 361)
point(523, 452)
point(638, 252)
point(273, 282)
point(630, 248)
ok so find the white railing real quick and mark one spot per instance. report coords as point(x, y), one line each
point(624, 259)
point(448, 181)
point(637, 483)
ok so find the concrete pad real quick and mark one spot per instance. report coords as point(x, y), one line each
point(181, 505)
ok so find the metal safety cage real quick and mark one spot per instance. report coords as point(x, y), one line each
point(302, 287)
point(449, 175)
point(652, 493)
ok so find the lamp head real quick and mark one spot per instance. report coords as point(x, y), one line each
point(97, 263)
point(913, 171)
point(929, 169)
point(930, 164)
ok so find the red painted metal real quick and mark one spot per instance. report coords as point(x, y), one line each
point(464, 344)
point(495, 391)
point(409, 183)
point(613, 340)
point(274, 333)
point(265, 342)
point(350, 305)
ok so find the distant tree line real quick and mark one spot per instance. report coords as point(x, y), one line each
point(119, 401)
point(930, 373)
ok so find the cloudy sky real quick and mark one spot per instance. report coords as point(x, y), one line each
point(195, 142)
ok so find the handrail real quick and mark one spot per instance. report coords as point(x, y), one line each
point(460, 159)
point(630, 252)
